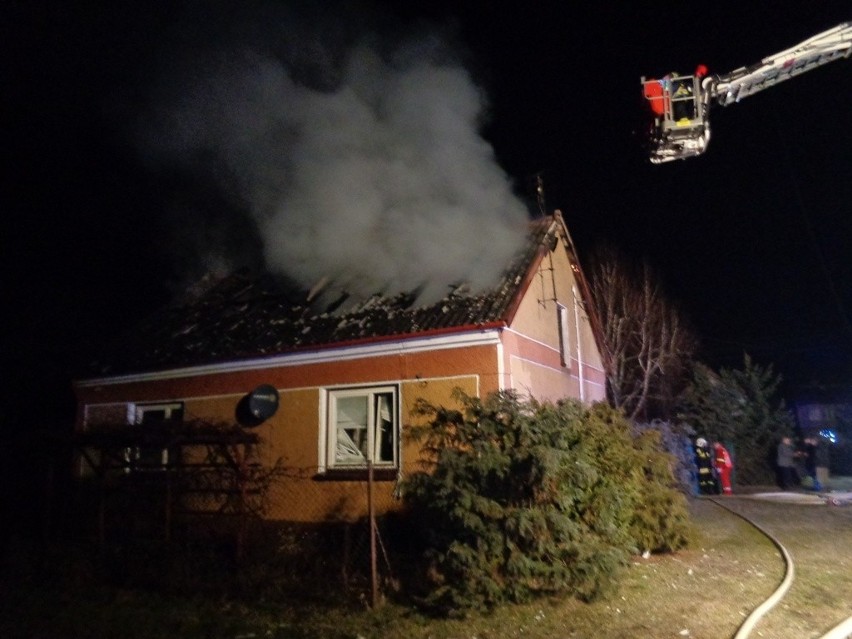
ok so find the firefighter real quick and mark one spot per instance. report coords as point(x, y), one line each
point(704, 461)
point(724, 465)
point(683, 106)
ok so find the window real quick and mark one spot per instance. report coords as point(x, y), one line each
point(157, 413)
point(564, 333)
point(362, 425)
point(152, 457)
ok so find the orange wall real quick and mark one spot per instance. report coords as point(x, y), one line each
point(480, 360)
point(291, 436)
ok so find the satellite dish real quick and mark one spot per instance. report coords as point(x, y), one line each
point(258, 406)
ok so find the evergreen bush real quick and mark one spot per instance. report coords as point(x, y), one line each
point(661, 522)
point(519, 499)
point(741, 409)
point(676, 439)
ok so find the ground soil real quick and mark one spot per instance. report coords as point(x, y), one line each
point(704, 592)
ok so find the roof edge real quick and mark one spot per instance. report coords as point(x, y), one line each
point(532, 268)
point(471, 335)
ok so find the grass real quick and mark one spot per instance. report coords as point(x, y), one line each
point(819, 539)
point(704, 592)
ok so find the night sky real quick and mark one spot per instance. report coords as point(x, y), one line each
point(752, 239)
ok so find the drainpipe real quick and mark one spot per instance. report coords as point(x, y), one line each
point(579, 347)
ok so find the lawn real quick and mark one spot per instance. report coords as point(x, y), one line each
point(704, 592)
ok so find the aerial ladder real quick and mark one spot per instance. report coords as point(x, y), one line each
point(680, 104)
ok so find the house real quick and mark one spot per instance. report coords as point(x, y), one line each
point(828, 414)
point(334, 386)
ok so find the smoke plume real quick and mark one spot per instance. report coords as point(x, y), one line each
point(370, 175)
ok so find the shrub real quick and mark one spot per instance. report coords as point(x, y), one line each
point(676, 439)
point(519, 499)
point(661, 522)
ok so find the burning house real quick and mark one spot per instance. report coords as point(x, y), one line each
point(325, 383)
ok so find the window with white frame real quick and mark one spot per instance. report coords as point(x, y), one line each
point(363, 425)
point(564, 335)
point(152, 457)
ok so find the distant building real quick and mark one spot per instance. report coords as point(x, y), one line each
point(828, 415)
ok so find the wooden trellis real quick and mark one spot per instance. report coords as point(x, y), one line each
point(191, 468)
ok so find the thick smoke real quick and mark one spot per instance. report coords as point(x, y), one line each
point(380, 182)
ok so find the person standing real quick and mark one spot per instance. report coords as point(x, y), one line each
point(809, 453)
point(683, 105)
point(784, 461)
point(821, 461)
point(724, 466)
point(704, 461)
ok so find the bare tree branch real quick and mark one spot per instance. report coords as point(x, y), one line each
point(648, 347)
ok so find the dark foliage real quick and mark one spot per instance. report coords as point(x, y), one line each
point(522, 499)
point(676, 440)
point(738, 407)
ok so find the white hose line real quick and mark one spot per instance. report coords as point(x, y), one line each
point(841, 631)
point(756, 614)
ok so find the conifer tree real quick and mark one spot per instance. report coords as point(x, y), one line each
point(520, 498)
point(739, 407)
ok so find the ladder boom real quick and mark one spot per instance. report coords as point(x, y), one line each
point(680, 104)
point(728, 88)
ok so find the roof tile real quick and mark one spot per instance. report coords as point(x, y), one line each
point(246, 315)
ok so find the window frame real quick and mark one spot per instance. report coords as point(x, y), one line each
point(563, 322)
point(331, 464)
point(136, 456)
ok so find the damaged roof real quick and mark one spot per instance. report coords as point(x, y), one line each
point(244, 316)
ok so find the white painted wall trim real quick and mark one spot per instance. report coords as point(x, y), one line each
point(488, 337)
point(527, 338)
point(560, 370)
point(501, 369)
